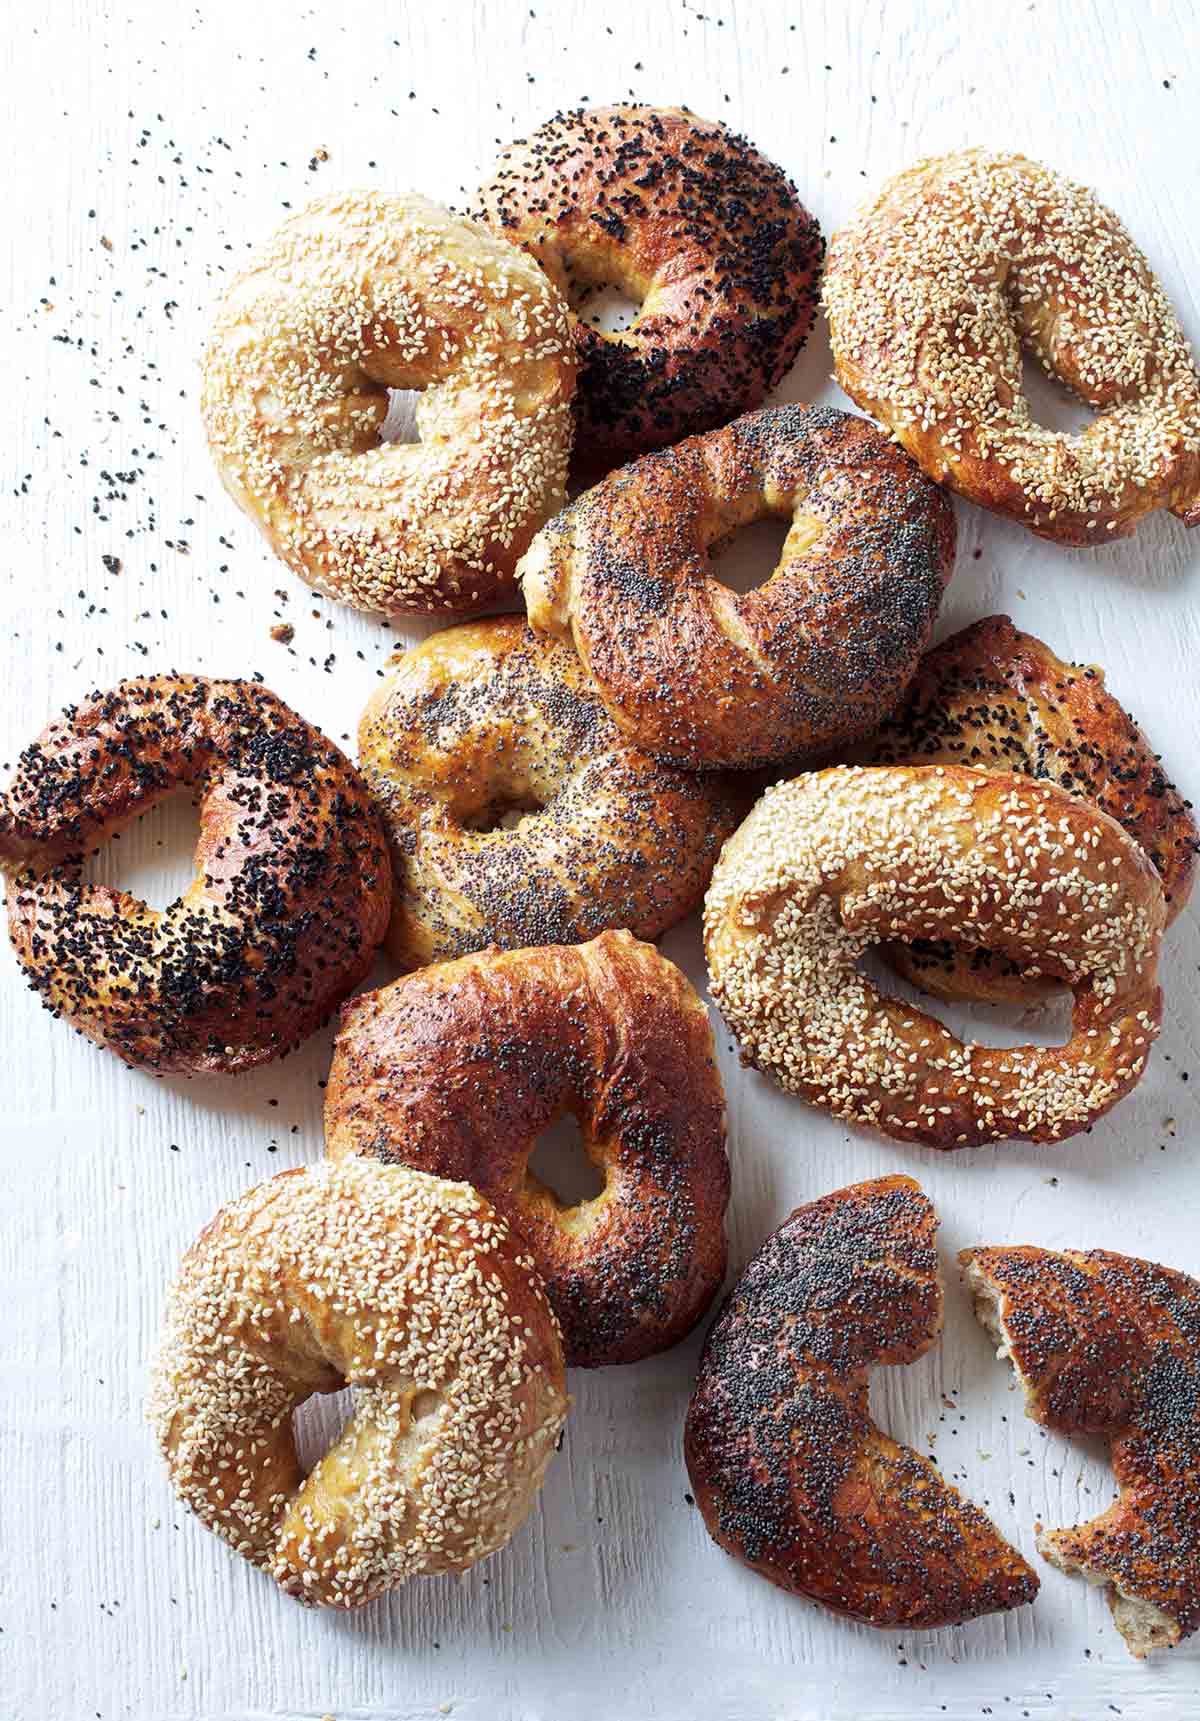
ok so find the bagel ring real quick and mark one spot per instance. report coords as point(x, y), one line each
point(959, 265)
point(695, 673)
point(291, 893)
point(693, 223)
point(839, 860)
point(458, 1069)
point(518, 813)
point(996, 699)
point(788, 1469)
point(358, 294)
point(414, 1293)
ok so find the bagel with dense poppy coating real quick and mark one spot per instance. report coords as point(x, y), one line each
point(458, 1070)
point(355, 296)
point(698, 674)
point(997, 699)
point(706, 234)
point(292, 888)
point(409, 1290)
point(791, 1474)
point(837, 861)
point(1106, 1344)
point(517, 812)
point(957, 268)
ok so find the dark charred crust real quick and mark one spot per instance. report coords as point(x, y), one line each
point(457, 1071)
point(291, 893)
point(792, 1476)
point(732, 256)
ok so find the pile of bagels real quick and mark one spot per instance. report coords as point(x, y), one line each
point(539, 797)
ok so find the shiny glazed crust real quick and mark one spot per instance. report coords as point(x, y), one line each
point(358, 294)
point(489, 722)
point(934, 290)
point(999, 700)
point(689, 219)
point(457, 1070)
point(292, 887)
point(834, 862)
point(693, 672)
point(413, 1292)
point(1106, 1344)
point(791, 1474)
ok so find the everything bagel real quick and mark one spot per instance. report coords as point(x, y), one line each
point(837, 861)
point(457, 1070)
point(518, 813)
point(694, 673)
point(292, 886)
point(939, 284)
point(693, 223)
point(356, 295)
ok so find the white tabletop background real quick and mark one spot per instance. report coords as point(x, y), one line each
point(147, 144)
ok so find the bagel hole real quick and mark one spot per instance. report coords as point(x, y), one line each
point(1039, 1023)
point(400, 425)
point(607, 307)
point(503, 814)
point(748, 557)
point(560, 1163)
point(1051, 404)
point(317, 1423)
point(154, 857)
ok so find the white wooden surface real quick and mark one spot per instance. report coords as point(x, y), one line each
point(147, 143)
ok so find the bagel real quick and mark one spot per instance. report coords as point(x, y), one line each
point(962, 263)
point(792, 1476)
point(834, 862)
point(358, 294)
point(1106, 1344)
point(411, 1291)
point(694, 673)
point(999, 700)
point(692, 222)
point(458, 1070)
point(518, 813)
point(292, 887)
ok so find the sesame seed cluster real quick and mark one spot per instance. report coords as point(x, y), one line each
point(962, 262)
point(518, 813)
point(834, 862)
point(362, 293)
point(1107, 1344)
point(415, 1293)
point(792, 1475)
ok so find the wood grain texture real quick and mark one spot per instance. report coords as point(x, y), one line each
point(147, 146)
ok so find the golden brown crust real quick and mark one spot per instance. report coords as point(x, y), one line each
point(837, 861)
point(996, 699)
point(791, 1474)
point(458, 1069)
point(937, 285)
point(413, 1292)
point(490, 721)
point(292, 887)
point(1106, 1344)
point(356, 295)
point(695, 673)
point(695, 224)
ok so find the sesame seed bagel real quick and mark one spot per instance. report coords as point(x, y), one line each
point(962, 263)
point(459, 1069)
point(415, 1294)
point(997, 699)
point(1105, 1344)
point(291, 893)
point(695, 673)
point(518, 813)
point(356, 295)
point(692, 222)
point(837, 861)
point(792, 1475)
